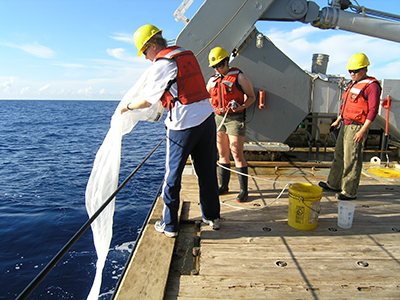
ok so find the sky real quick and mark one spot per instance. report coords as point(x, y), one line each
point(84, 50)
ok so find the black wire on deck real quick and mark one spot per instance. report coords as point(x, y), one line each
point(29, 289)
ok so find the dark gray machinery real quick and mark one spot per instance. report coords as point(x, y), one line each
point(291, 92)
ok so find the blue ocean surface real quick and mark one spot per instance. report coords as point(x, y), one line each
point(47, 150)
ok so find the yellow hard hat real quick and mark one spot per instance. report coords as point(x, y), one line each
point(143, 34)
point(216, 55)
point(358, 61)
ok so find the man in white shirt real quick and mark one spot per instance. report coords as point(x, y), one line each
point(177, 81)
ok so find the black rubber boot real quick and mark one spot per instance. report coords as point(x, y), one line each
point(224, 176)
point(243, 181)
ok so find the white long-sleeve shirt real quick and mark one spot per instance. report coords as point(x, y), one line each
point(181, 116)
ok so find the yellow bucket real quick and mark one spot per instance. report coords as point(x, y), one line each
point(304, 205)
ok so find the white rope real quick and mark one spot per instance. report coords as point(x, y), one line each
point(250, 176)
point(244, 208)
point(259, 178)
point(254, 177)
point(228, 107)
point(260, 208)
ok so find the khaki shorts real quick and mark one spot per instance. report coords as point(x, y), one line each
point(234, 124)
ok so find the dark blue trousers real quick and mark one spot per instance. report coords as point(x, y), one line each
point(200, 143)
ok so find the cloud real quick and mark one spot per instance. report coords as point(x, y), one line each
point(24, 91)
point(70, 65)
point(86, 91)
point(123, 37)
point(43, 88)
point(35, 50)
point(8, 82)
point(121, 54)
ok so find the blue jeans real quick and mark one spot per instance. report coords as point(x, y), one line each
point(200, 143)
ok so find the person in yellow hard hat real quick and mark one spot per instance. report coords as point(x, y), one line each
point(190, 124)
point(358, 111)
point(231, 94)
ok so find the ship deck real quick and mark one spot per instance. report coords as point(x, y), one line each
point(257, 255)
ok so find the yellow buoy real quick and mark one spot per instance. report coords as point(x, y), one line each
point(384, 172)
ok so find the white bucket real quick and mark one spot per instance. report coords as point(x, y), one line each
point(346, 214)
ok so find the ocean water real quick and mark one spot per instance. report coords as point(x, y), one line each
point(47, 149)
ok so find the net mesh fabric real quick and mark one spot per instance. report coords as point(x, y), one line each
point(103, 179)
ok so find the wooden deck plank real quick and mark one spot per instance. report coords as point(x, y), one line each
point(300, 264)
point(255, 232)
point(279, 251)
point(147, 272)
point(252, 288)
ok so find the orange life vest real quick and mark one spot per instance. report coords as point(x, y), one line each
point(190, 80)
point(355, 106)
point(225, 89)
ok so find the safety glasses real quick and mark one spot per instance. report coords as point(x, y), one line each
point(146, 48)
point(355, 71)
point(219, 65)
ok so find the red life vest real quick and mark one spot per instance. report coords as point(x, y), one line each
point(355, 106)
point(190, 80)
point(225, 89)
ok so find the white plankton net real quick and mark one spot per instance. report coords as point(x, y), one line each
point(103, 180)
